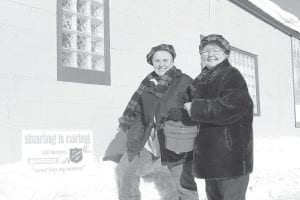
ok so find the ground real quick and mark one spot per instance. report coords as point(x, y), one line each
point(276, 176)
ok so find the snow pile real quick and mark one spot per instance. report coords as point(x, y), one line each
point(276, 176)
point(276, 169)
point(279, 14)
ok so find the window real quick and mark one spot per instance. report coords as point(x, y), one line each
point(247, 64)
point(83, 41)
point(296, 71)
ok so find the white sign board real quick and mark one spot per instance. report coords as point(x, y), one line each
point(57, 151)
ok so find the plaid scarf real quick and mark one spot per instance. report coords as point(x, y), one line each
point(158, 85)
point(207, 75)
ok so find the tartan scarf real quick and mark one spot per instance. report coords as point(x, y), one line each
point(148, 84)
point(207, 75)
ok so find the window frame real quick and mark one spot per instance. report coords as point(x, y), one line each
point(295, 54)
point(255, 57)
point(78, 75)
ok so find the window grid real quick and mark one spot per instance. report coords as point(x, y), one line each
point(83, 41)
point(246, 63)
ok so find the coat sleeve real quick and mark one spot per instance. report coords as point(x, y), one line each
point(230, 105)
point(174, 105)
point(136, 130)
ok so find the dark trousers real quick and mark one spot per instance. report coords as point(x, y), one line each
point(227, 189)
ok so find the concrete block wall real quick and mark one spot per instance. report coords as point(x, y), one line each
point(27, 48)
point(31, 97)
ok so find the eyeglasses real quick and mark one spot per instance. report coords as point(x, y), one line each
point(212, 51)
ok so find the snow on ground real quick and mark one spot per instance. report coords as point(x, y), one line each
point(276, 176)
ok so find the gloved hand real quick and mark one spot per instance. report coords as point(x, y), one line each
point(180, 114)
point(186, 119)
point(132, 144)
point(174, 114)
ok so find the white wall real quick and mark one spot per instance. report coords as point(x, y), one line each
point(31, 97)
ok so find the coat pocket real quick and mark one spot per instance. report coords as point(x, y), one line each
point(228, 139)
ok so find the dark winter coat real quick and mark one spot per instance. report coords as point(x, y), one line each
point(224, 109)
point(151, 105)
point(148, 106)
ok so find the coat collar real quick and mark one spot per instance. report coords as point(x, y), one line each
point(170, 75)
point(208, 75)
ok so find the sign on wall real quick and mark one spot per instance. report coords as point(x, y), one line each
point(57, 151)
point(296, 70)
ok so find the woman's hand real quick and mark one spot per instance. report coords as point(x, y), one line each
point(174, 114)
point(187, 107)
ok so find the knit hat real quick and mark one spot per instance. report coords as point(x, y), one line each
point(218, 40)
point(162, 47)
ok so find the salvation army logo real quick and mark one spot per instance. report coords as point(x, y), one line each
point(76, 155)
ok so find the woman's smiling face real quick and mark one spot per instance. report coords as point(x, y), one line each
point(162, 61)
point(212, 55)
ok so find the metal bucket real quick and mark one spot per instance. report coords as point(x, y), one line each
point(179, 138)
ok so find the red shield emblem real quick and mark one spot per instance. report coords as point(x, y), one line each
point(76, 155)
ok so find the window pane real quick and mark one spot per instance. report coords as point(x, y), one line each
point(83, 41)
point(296, 71)
point(247, 65)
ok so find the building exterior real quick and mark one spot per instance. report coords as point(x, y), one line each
point(32, 97)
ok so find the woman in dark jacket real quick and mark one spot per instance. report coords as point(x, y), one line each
point(143, 121)
point(223, 152)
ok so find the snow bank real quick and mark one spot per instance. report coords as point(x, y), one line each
point(276, 176)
